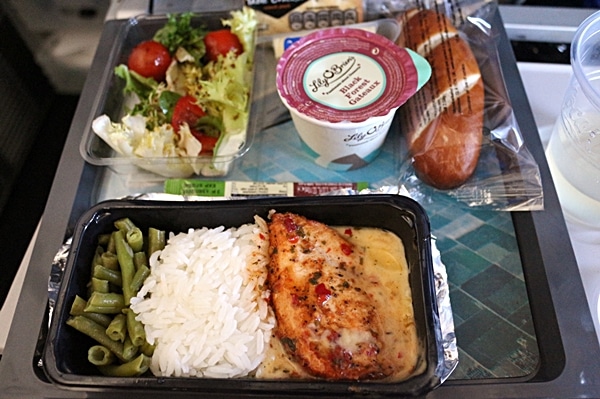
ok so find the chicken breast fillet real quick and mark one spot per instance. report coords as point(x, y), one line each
point(326, 319)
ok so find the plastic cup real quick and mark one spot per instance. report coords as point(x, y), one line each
point(342, 87)
point(573, 151)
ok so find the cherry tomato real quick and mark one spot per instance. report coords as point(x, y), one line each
point(150, 59)
point(187, 111)
point(208, 143)
point(220, 42)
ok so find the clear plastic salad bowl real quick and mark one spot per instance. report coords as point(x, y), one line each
point(121, 142)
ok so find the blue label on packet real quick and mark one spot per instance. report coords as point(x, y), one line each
point(289, 41)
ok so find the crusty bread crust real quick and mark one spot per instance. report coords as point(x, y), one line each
point(444, 120)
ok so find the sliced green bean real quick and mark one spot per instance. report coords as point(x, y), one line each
point(125, 256)
point(156, 240)
point(133, 235)
point(135, 239)
point(100, 355)
point(139, 277)
point(136, 367)
point(147, 348)
point(97, 259)
point(110, 303)
point(99, 285)
point(117, 329)
point(77, 309)
point(140, 259)
point(89, 289)
point(77, 306)
point(135, 328)
point(96, 332)
point(112, 276)
point(124, 224)
point(129, 349)
point(119, 269)
point(111, 247)
point(109, 260)
point(104, 239)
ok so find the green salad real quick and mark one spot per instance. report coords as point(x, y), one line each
point(188, 93)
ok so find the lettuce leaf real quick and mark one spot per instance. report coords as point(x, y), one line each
point(179, 32)
point(243, 24)
point(134, 82)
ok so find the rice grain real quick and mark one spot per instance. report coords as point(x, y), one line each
point(204, 305)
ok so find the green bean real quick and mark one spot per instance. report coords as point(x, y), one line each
point(140, 259)
point(99, 285)
point(124, 224)
point(117, 329)
point(125, 255)
point(139, 277)
point(156, 240)
point(96, 332)
point(135, 328)
point(104, 239)
point(110, 303)
point(97, 259)
point(119, 269)
point(147, 348)
point(77, 309)
point(110, 247)
point(133, 235)
point(112, 276)
point(77, 306)
point(100, 355)
point(109, 260)
point(136, 367)
point(135, 239)
point(129, 349)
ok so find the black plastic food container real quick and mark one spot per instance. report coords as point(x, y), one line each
point(65, 353)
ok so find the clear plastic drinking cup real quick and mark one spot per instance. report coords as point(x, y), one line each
point(573, 152)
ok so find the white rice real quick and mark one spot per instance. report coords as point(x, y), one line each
point(204, 306)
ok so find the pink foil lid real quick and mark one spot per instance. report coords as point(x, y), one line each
point(345, 75)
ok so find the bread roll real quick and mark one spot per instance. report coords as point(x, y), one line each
point(444, 120)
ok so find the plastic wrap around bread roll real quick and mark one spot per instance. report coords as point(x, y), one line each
point(444, 120)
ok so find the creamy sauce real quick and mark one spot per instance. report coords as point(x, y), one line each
point(386, 272)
